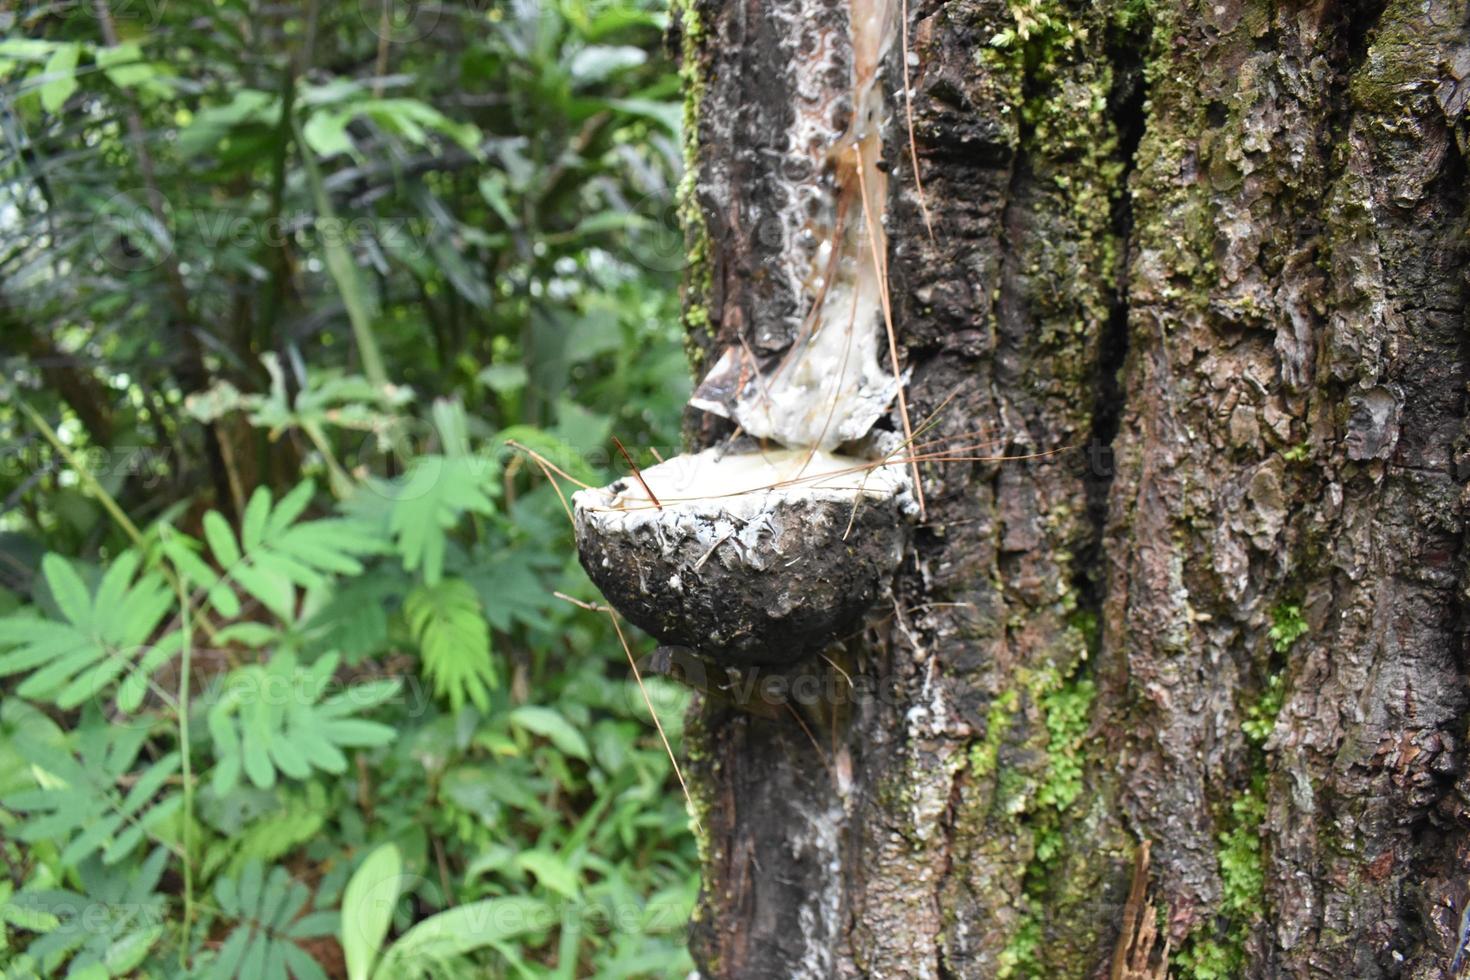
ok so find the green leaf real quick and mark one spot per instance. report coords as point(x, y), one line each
point(253, 525)
point(180, 550)
point(552, 725)
point(596, 62)
point(432, 498)
point(291, 507)
point(68, 590)
point(209, 126)
point(113, 589)
point(80, 804)
point(221, 539)
point(503, 378)
point(271, 721)
point(27, 49)
point(367, 909)
point(60, 73)
point(302, 966)
point(125, 66)
point(551, 871)
point(464, 929)
point(670, 115)
point(326, 133)
point(512, 592)
point(69, 664)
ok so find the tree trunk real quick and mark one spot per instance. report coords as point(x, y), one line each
point(1211, 258)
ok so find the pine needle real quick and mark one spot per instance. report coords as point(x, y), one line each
point(638, 676)
point(908, 107)
point(643, 690)
point(880, 270)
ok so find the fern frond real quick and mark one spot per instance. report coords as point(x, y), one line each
point(268, 910)
point(454, 641)
point(103, 636)
point(430, 500)
point(273, 554)
point(271, 719)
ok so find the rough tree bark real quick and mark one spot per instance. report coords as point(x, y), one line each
point(1215, 252)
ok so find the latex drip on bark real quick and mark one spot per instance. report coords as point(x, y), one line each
point(759, 558)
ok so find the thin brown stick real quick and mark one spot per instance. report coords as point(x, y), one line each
point(636, 474)
point(908, 108)
point(547, 463)
point(589, 606)
point(543, 465)
point(821, 756)
point(647, 701)
point(638, 676)
point(443, 865)
point(881, 271)
point(932, 419)
point(833, 664)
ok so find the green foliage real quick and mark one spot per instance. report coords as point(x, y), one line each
point(99, 636)
point(1210, 954)
point(272, 555)
point(984, 755)
point(268, 912)
point(433, 946)
point(1040, 805)
point(270, 718)
point(1206, 959)
point(446, 620)
point(430, 501)
point(105, 929)
point(100, 798)
point(367, 911)
point(1240, 855)
point(1260, 717)
point(286, 304)
point(1067, 712)
point(1287, 626)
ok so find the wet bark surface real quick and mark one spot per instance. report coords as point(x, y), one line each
point(1212, 260)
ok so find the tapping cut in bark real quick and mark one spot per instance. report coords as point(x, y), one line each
point(830, 385)
point(760, 558)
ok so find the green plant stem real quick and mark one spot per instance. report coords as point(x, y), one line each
point(83, 473)
point(341, 481)
point(342, 268)
point(185, 658)
point(98, 491)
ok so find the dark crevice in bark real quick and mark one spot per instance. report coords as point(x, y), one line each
point(1442, 829)
point(1126, 104)
point(1359, 17)
point(1353, 27)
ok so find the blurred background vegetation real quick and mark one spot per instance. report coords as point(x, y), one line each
point(284, 685)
